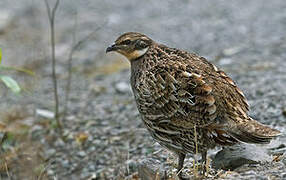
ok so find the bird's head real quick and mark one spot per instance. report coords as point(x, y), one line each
point(132, 45)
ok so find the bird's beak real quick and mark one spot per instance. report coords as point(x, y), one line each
point(113, 47)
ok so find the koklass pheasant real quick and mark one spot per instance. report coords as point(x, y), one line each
point(187, 104)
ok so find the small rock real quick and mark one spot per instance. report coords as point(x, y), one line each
point(65, 163)
point(84, 174)
point(50, 172)
point(92, 176)
point(122, 87)
point(36, 127)
point(91, 149)
point(81, 154)
point(92, 167)
point(131, 165)
point(70, 118)
point(50, 152)
point(235, 156)
point(59, 143)
point(45, 113)
point(149, 169)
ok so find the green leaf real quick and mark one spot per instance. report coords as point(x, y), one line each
point(11, 83)
point(17, 69)
point(0, 55)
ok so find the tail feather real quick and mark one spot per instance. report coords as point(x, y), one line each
point(254, 132)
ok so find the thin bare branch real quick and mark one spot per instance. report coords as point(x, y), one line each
point(74, 48)
point(48, 9)
point(55, 8)
point(68, 85)
point(51, 15)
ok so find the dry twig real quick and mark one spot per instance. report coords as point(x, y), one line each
point(74, 48)
point(51, 16)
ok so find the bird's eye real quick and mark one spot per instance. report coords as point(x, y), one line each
point(140, 44)
point(126, 42)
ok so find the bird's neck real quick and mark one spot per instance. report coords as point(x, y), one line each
point(148, 60)
point(144, 63)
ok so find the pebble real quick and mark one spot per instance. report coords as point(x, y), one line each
point(65, 163)
point(122, 87)
point(36, 127)
point(92, 167)
point(150, 168)
point(50, 152)
point(81, 154)
point(60, 143)
point(45, 113)
point(92, 148)
point(50, 172)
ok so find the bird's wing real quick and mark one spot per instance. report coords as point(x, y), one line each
point(171, 92)
point(185, 95)
point(233, 119)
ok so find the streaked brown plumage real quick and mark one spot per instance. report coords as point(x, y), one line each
point(187, 104)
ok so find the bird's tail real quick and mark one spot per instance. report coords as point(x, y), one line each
point(253, 132)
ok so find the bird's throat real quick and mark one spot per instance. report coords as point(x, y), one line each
point(136, 54)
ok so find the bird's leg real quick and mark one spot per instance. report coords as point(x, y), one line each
point(180, 163)
point(204, 161)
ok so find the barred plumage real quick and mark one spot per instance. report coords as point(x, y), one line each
point(182, 97)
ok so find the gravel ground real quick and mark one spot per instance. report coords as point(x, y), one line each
point(103, 134)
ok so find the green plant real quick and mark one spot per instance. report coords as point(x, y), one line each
point(8, 81)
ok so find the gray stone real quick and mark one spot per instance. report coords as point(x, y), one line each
point(122, 87)
point(81, 154)
point(59, 143)
point(149, 169)
point(65, 163)
point(235, 156)
point(50, 152)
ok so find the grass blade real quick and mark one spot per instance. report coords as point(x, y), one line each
point(11, 83)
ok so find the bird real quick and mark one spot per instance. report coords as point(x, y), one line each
point(187, 104)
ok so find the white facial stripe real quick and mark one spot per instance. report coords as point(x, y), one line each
point(141, 52)
point(134, 55)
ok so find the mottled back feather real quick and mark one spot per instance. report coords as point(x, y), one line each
point(177, 91)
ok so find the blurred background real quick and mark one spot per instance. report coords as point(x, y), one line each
point(102, 135)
